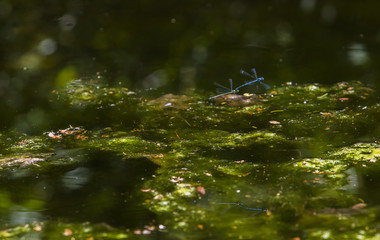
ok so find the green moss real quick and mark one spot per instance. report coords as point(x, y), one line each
point(23, 160)
point(364, 153)
point(91, 103)
point(59, 230)
point(331, 168)
point(36, 144)
point(291, 151)
point(357, 226)
point(130, 147)
point(15, 142)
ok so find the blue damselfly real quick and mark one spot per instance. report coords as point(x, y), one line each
point(231, 90)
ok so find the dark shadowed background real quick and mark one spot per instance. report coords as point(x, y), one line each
point(175, 45)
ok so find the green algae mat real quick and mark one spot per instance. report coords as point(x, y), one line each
point(296, 162)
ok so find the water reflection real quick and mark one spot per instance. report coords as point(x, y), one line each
point(358, 54)
point(105, 189)
point(77, 178)
point(21, 216)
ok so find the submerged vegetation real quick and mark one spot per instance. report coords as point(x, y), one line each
point(297, 162)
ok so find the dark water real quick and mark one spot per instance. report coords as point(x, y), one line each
point(170, 47)
point(103, 188)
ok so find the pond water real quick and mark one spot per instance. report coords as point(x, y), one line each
point(111, 127)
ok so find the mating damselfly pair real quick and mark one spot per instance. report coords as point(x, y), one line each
point(232, 90)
